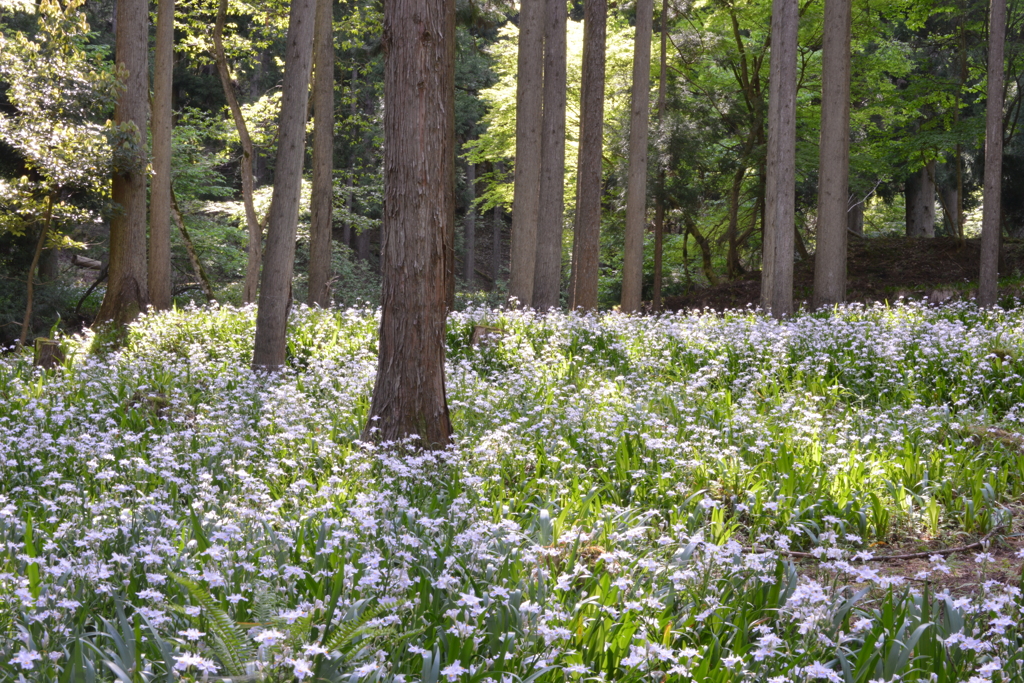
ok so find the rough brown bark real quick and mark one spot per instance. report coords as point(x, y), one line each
point(255, 248)
point(636, 183)
point(469, 226)
point(526, 189)
point(160, 189)
point(834, 157)
point(855, 219)
point(419, 210)
point(275, 287)
point(780, 188)
point(322, 200)
point(587, 230)
point(991, 230)
point(127, 294)
point(919, 194)
point(496, 245)
point(547, 277)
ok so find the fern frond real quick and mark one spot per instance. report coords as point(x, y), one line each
point(230, 642)
point(346, 636)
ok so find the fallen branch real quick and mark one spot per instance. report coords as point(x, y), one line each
point(983, 542)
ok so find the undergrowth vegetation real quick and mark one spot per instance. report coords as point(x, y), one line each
point(671, 498)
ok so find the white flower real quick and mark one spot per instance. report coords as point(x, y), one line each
point(26, 659)
point(192, 634)
point(268, 637)
point(453, 671)
point(301, 668)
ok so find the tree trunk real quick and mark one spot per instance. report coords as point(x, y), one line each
point(834, 157)
point(496, 245)
point(780, 187)
point(190, 248)
point(320, 225)
point(636, 183)
point(950, 215)
point(547, 278)
point(160, 190)
point(44, 233)
point(419, 210)
point(855, 219)
point(469, 226)
point(732, 259)
point(526, 189)
point(920, 202)
point(587, 230)
point(991, 229)
point(275, 288)
point(255, 249)
point(127, 294)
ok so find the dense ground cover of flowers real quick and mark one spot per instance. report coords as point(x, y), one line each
point(619, 504)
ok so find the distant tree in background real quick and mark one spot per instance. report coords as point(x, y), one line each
point(322, 201)
point(991, 227)
point(159, 273)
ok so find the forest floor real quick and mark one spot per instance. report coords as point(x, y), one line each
point(880, 269)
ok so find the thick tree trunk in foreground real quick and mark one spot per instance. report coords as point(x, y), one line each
point(920, 202)
point(991, 227)
point(276, 284)
point(255, 249)
point(127, 294)
point(320, 227)
point(834, 157)
point(419, 212)
point(547, 277)
point(160, 191)
point(636, 183)
point(780, 188)
point(529, 112)
point(587, 230)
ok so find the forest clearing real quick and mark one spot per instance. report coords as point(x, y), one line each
point(682, 497)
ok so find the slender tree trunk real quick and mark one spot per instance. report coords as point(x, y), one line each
point(636, 183)
point(255, 249)
point(732, 258)
point(855, 219)
point(321, 225)
point(587, 230)
point(834, 157)
point(920, 202)
point(160, 191)
point(659, 213)
point(44, 233)
point(991, 227)
point(190, 248)
point(526, 189)
point(547, 278)
point(496, 245)
point(419, 210)
point(127, 294)
point(469, 226)
point(780, 186)
point(949, 197)
point(275, 289)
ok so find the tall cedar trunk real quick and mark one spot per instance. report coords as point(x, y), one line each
point(160, 190)
point(920, 202)
point(991, 212)
point(255, 249)
point(587, 230)
point(950, 214)
point(551, 207)
point(834, 157)
point(276, 284)
point(320, 225)
point(659, 213)
point(636, 183)
point(127, 294)
point(419, 210)
point(526, 188)
point(469, 225)
point(780, 188)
